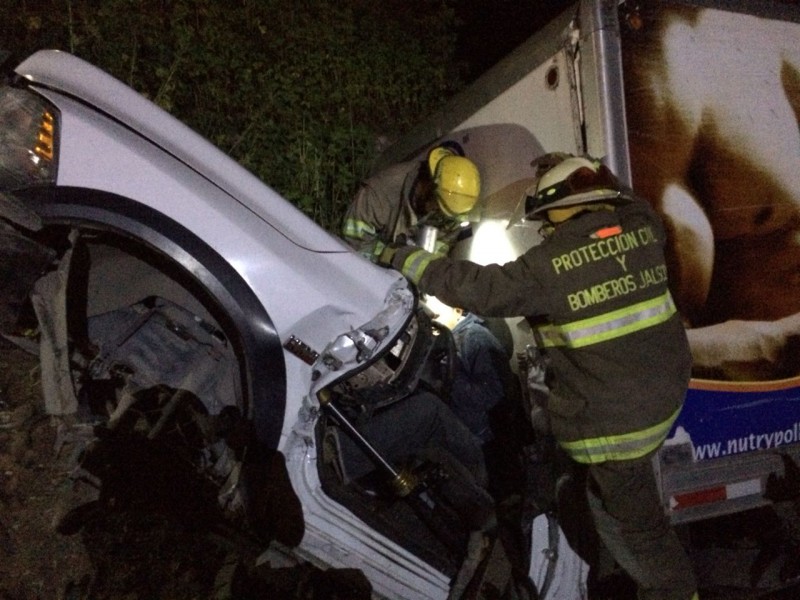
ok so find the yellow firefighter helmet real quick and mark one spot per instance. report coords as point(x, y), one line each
point(458, 182)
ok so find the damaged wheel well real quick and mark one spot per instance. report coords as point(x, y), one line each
point(125, 252)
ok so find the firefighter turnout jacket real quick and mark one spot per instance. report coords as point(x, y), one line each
point(381, 210)
point(381, 213)
point(596, 294)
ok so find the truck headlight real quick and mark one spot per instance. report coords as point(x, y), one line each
point(28, 139)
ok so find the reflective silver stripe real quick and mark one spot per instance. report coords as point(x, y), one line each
point(625, 446)
point(609, 325)
point(415, 264)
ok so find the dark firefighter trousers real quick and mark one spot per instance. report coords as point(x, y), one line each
point(627, 512)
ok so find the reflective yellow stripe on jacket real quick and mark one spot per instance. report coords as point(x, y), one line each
point(415, 264)
point(362, 236)
point(624, 446)
point(358, 230)
point(609, 325)
point(602, 328)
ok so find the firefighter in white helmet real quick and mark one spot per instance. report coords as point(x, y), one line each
point(596, 294)
point(393, 205)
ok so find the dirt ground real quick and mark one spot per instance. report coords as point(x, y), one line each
point(36, 562)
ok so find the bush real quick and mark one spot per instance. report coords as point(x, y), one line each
point(298, 91)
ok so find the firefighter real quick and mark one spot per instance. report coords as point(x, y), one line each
point(396, 203)
point(596, 294)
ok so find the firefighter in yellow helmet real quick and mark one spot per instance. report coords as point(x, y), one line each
point(433, 196)
point(596, 294)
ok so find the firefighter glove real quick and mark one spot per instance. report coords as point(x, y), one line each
point(386, 256)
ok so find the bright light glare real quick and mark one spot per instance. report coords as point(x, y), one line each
point(446, 315)
point(491, 243)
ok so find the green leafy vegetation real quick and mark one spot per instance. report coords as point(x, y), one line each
point(304, 93)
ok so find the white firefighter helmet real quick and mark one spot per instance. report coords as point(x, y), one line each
point(573, 181)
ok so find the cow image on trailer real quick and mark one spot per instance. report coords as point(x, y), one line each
point(712, 102)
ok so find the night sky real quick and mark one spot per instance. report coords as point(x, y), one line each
point(492, 29)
